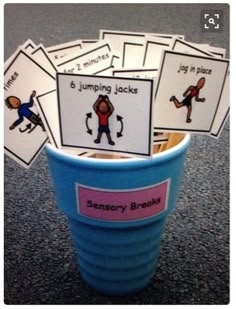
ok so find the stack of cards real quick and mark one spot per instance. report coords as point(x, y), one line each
point(120, 93)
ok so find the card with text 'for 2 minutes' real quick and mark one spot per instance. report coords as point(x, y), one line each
point(111, 114)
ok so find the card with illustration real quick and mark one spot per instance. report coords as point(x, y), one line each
point(153, 50)
point(91, 60)
point(40, 55)
point(24, 131)
point(188, 92)
point(105, 113)
point(61, 50)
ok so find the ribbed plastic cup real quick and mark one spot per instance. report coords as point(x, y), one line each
point(117, 210)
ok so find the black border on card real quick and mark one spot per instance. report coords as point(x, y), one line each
point(62, 48)
point(180, 37)
point(105, 149)
point(45, 118)
point(120, 33)
point(42, 145)
point(218, 54)
point(110, 67)
point(124, 50)
point(158, 140)
point(89, 41)
point(112, 59)
point(191, 46)
point(29, 44)
point(34, 156)
point(132, 70)
point(192, 56)
point(163, 36)
point(31, 59)
point(45, 53)
point(222, 124)
point(92, 50)
point(146, 49)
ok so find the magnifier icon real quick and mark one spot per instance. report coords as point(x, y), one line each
point(211, 21)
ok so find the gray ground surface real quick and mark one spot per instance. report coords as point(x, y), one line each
point(40, 263)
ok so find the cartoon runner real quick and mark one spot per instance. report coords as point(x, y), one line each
point(191, 92)
point(24, 111)
point(103, 108)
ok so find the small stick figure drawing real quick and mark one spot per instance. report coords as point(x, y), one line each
point(103, 108)
point(191, 92)
point(13, 102)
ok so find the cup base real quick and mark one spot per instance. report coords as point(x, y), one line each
point(117, 288)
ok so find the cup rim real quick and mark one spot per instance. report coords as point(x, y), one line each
point(167, 153)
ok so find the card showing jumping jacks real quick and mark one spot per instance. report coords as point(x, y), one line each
point(24, 131)
point(188, 92)
point(106, 114)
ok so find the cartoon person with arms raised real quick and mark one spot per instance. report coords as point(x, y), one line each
point(103, 108)
point(24, 111)
point(189, 94)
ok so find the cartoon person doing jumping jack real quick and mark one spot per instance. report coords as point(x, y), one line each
point(191, 92)
point(103, 108)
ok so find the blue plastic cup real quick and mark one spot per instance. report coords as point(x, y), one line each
point(117, 210)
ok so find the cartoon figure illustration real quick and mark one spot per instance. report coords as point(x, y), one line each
point(13, 102)
point(103, 108)
point(191, 92)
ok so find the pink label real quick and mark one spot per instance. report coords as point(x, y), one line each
point(122, 205)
